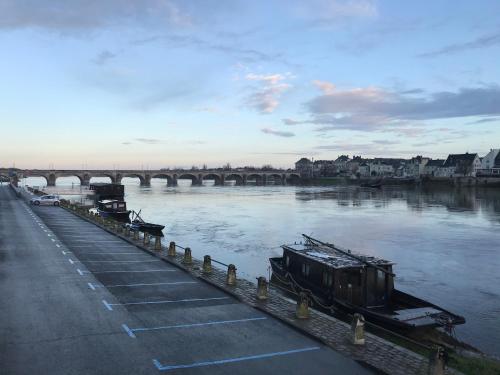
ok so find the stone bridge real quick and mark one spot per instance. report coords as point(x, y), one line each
point(240, 176)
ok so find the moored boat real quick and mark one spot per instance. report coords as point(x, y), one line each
point(338, 279)
point(114, 209)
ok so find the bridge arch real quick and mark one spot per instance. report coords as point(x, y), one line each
point(189, 176)
point(293, 179)
point(142, 180)
point(235, 177)
point(67, 175)
point(36, 175)
point(102, 175)
point(259, 179)
point(171, 181)
point(213, 176)
point(277, 178)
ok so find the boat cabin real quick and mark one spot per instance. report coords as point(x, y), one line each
point(335, 273)
point(107, 191)
point(111, 206)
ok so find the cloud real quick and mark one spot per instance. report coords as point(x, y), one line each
point(376, 109)
point(103, 57)
point(86, 15)
point(289, 121)
point(484, 120)
point(485, 41)
point(278, 133)
point(265, 98)
point(326, 87)
point(249, 55)
point(324, 12)
point(149, 141)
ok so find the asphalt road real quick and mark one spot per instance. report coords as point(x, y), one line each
point(75, 299)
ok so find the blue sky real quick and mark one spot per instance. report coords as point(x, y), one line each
point(156, 83)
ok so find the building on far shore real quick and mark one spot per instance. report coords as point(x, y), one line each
point(432, 166)
point(455, 165)
point(304, 167)
point(460, 165)
point(490, 164)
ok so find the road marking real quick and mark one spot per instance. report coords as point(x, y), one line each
point(121, 261)
point(79, 271)
point(71, 261)
point(53, 240)
point(142, 284)
point(128, 271)
point(91, 286)
point(109, 306)
point(83, 253)
point(131, 331)
point(161, 367)
point(63, 252)
point(58, 245)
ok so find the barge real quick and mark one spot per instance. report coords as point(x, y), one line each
point(337, 279)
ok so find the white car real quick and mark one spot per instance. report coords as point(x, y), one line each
point(47, 200)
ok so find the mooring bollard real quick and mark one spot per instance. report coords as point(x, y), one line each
point(136, 235)
point(158, 243)
point(437, 361)
point(145, 240)
point(188, 259)
point(127, 232)
point(171, 249)
point(231, 275)
point(262, 288)
point(358, 329)
point(207, 264)
point(302, 311)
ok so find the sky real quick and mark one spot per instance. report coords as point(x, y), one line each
point(163, 83)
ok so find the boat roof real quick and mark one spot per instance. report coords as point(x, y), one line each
point(335, 257)
point(111, 201)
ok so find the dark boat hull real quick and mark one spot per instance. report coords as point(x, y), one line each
point(282, 279)
point(152, 229)
point(122, 217)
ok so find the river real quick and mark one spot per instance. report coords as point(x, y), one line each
point(445, 242)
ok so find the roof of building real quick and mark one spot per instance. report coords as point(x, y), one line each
point(497, 161)
point(454, 159)
point(303, 161)
point(343, 158)
point(335, 257)
point(435, 163)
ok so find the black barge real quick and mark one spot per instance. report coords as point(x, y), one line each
point(337, 279)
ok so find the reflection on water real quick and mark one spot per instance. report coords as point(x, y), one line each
point(445, 242)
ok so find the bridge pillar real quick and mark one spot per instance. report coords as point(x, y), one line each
point(283, 180)
point(85, 180)
point(244, 180)
point(51, 180)
point(222, 179)
point(264, 179)
point(146, 181)
point(172, 181)
point(118, 178)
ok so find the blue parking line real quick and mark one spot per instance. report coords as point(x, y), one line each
point(109, 306)
point(144, 284)
point(161, 367)
point(131, 331)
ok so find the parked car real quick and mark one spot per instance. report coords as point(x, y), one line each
point(47, 200)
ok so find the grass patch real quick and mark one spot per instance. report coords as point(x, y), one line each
point(474, 366)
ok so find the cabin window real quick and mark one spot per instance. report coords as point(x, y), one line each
point(327, 279)
point(305, 269)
